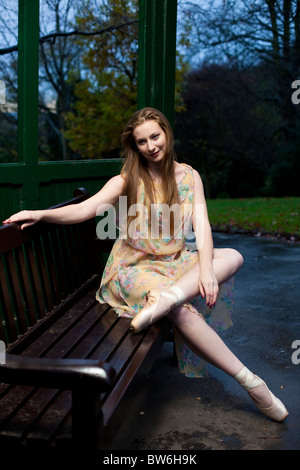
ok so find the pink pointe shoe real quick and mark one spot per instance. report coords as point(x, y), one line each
point(158, 305)
point(274, 409)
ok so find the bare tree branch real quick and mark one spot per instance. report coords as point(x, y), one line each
point(52, 37)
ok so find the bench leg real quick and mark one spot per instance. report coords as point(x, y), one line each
point(86, 419)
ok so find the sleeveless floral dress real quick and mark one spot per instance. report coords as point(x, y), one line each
point(140, 263)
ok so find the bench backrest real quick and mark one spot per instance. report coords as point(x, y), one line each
point(40, 266)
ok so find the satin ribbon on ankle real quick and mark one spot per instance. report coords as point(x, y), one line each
point(250, 382)
point(178, 297)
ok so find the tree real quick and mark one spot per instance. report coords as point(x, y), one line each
point(223, 130)
point(59, 57)
point(261, 36)
point(106, 95)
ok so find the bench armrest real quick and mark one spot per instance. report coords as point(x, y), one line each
point(68, 374)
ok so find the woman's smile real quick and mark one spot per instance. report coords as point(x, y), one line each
point(154, 154)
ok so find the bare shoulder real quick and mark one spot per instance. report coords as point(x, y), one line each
point(197, 177)
point(180, 170)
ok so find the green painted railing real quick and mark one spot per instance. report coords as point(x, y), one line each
point(33, 184)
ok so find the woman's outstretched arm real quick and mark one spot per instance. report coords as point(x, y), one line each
point(73, 213)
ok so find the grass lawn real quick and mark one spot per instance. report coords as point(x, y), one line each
point(276, 216)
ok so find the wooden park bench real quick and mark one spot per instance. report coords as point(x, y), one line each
point(71, 367)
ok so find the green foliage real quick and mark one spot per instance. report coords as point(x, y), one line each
point(256, 215)
point(95, 125)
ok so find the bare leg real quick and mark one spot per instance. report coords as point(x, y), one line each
point(204, 341)
point(207, 344)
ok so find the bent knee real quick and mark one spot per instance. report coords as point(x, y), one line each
point(234, 257)
point(237, 258)
point(182, 315)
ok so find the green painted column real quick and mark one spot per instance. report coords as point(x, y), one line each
point(28, 70)
point(157, 55)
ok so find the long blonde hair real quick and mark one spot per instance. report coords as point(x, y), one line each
point(135, 165)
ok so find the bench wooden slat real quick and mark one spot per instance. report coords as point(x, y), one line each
point(62, 276)
point(17, 293)
point(52, 421)
point(67, 260)
point(80, 253)
point(35, 404)
point(98, 335)
point(52, 272)
point(29, 291)
point(42, 266)
point(7, 306)
point(35, 279)
point(74, 336)
point(73, 253)
point(12, 400)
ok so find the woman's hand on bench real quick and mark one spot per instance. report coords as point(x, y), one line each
point(24, 218)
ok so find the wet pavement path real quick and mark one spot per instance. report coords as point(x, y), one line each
point(178, 413)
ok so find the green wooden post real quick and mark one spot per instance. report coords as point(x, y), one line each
point(28, 66)
point(157, 55)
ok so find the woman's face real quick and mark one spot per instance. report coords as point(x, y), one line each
point(151, 141)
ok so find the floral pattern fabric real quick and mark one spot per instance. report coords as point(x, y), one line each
point(140, 263)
